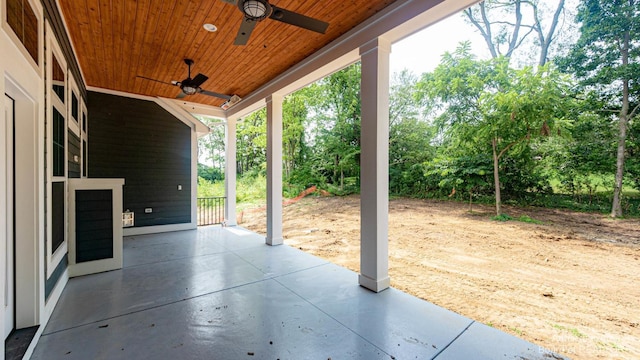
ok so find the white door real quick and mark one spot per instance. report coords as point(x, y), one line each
point(6, 178)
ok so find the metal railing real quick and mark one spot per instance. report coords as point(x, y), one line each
point(211, 210)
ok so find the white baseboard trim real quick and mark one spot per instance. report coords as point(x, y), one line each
point(49, 306)
point(143, 230)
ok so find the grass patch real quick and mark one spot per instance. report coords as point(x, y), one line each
point(573, 331)
point(502, 217)
point(516, 331)
point(527, 219)
point(610, 345)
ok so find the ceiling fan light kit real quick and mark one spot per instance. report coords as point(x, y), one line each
point(191, 86)
point(254, 11)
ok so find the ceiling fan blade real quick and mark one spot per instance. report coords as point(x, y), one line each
point(215, 94)
point(198, 80)
point(160, 81)
point(181, 95)
point(293, 18)
point(244, 32)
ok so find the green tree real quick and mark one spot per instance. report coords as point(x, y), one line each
point(211, 146)
point(490, 107)
point(251, 142)
point(410, 136)
point(337, 128)
point(505, 25)
point(606, 59)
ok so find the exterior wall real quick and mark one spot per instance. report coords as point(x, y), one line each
point(22, 79)
point(151, 149)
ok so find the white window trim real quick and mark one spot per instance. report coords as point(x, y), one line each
point(53, 48)
point(74, 125)
point(37, 9)
point(84, 138)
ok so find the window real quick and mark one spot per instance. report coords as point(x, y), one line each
point(84, 158)
point(57, 215)
point(24, 23)
point(57, 78)
point(84, 122)
point(74, 106)
point(59, 129)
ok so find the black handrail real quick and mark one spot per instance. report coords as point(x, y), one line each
point(211, 210)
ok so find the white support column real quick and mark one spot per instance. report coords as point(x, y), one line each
point(274, 170)
point(230, 173)
point(374, 166)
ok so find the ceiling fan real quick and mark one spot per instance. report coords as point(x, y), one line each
point(255, 11)
point(191, 86)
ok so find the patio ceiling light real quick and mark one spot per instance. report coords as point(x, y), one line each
point(189, 90)
point(210, 27)
point(256, 9)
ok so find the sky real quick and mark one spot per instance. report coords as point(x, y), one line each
point(421, 52)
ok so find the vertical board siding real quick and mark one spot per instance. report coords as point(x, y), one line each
point(139, 141)
point(74, 149)
point(94, 225)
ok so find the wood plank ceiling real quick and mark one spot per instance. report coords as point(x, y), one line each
point(116, 40)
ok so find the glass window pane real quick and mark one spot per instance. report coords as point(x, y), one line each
point(74, 106)
point(57, 215)
point(30, 31)
point(57, 78)
point(59, 128)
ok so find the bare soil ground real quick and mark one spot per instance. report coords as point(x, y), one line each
point(571, 284)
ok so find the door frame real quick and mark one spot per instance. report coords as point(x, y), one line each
point(27, 188)
point(9, 241)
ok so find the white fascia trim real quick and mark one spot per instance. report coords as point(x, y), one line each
point(201, 109)
point(395, 22)
point(167, 104)
point(158, 229)
point(186, 117)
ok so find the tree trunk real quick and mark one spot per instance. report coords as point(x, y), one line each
point(616, 206)
point(545, 41)
point(496, 175)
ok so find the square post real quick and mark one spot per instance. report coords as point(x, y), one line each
point(274, 170)
point(374, 166)
point(230, 173)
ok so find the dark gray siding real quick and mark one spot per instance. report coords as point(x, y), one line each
point(74, 149)
point(139, 141)
point(94, 225)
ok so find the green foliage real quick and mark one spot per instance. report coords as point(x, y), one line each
point(208, 188)
point(606, 60)
point(502, 217)
point(489, 108)
point(527, 219)
point(211, 147)
point(410, 137)
point(470, 175)
point(251, 142)
point(210, 173)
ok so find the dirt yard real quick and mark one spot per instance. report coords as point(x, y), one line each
point(571, 284)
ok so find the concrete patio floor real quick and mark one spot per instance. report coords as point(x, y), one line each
point(221, 293)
